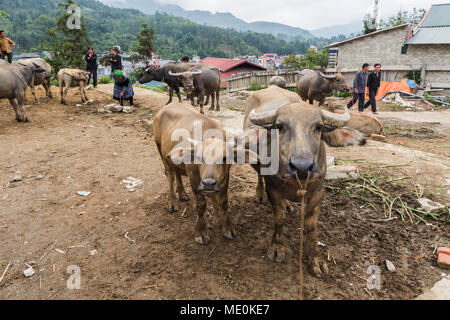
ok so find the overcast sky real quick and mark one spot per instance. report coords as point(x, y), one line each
point(308, 14)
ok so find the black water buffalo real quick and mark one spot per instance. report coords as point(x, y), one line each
point(303, 132)
point(201, 81)
point(315, 86)
point(154, 73)
point(14, 80)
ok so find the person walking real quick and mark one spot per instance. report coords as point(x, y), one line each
point(373, 83)
point(115, 60)
point(91, 66)
point(359, 88)
point(123, 88)
point(6, 46)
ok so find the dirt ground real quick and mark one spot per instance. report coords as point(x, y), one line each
point(129, 247)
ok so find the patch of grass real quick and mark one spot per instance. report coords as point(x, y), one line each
point(255, 86)
point(395, 107)
point(105, 80)
point(161, 89)
point(430, 98)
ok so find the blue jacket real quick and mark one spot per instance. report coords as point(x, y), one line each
point(360, 81)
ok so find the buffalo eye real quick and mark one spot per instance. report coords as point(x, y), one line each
point(279, 126)
point(319, 127)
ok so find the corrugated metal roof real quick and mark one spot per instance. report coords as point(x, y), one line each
point(437, 35)
point(438, 16)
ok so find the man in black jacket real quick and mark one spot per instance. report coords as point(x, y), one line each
point(115, 60)
point(373, 83)
point(91, 66)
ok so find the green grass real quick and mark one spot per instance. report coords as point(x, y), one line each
point(105, 80)
point(255, 86)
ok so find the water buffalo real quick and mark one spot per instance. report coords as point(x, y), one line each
point(68, 78)
point(201, 81)
point(303, 132)
point(315, 86)
point(207, 178)
point(278, 81)
point(42, 78)
point(14, 81)
point(154, 73)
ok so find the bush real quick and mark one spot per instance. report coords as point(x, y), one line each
point(255, 86)
point(415, 75)
point(105, 80)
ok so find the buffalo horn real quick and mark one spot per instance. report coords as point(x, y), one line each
point(327, 77)
point(336, 120)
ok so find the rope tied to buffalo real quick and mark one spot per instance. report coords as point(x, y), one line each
point(302, 193)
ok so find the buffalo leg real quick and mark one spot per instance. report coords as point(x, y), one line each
point(170, 95)
point(33, 92)
point(221, 208)
point(201, 227)
point(260, 188)
point(311, 235)
point(277, 251)
point(212, 101)
point(64, 95)
point(180, 189)
point(202, 102)
point(20, 98)
point(82, 92)
point(47, 85)
point(180, 99)
point(61, 90)
point(217, 100)
point(172, 204)
point(16, 109)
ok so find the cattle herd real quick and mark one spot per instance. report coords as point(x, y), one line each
point(286, 129)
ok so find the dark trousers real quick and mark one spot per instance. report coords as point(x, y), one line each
point(94, 76)
point(360, 97)
point(372, 100)
point(5, 54)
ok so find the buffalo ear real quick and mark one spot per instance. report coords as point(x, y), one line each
point(342, 137)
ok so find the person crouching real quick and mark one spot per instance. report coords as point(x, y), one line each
point(123, 88)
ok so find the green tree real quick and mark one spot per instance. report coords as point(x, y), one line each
point(143, 49)
point(3, 15)
point(403, 17)
point(312, 59)
point(67, 45)
point(371, 20)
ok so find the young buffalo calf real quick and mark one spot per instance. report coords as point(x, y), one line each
point(174, 128)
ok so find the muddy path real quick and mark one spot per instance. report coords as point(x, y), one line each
point(67, 149)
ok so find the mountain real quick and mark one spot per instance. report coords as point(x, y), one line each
point(107, 26)
point(220, 19)
point(348, 29)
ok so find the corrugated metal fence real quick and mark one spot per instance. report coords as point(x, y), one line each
point(242, 81)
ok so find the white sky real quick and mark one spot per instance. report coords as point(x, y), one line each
point(307, 14)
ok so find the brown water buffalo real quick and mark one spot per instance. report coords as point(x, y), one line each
point(14, 81)
point(68, 78)
point(174, 127)
point(303, 132)
point(42, 78)
point(201, 81)
point(315, 86)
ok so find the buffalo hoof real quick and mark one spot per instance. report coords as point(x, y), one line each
point(218, 109)
point(276, 253)
point(230, 234)
point(203, 240)
point(184, 197)
point(172, 208)
point(318, 269)
point(211, 108)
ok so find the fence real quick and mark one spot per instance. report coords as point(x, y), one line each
point(243, 80)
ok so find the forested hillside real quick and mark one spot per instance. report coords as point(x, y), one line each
point(29, 19)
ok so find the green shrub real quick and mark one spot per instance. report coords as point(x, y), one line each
point(105, 80)
point(255, 86)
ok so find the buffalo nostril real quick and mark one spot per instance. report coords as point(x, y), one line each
point(302, 165)
point(209, 182)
